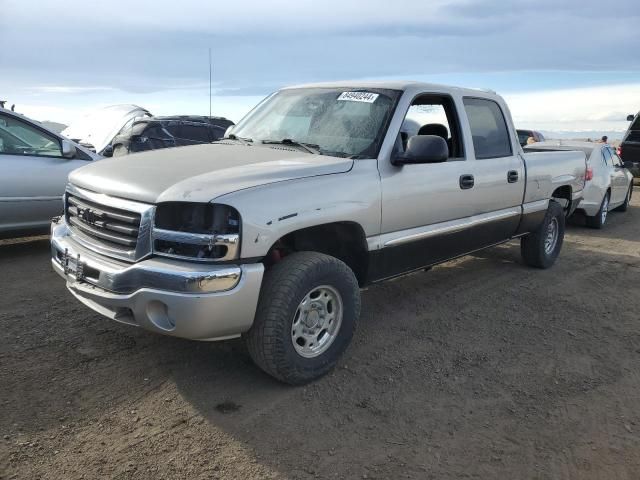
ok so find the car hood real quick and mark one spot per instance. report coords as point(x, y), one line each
point(200, 173)
point(96, 129)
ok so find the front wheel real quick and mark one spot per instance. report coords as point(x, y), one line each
point(541, 248)
point(307, 312)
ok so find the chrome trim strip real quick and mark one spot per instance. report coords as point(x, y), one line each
point(231, 241)
point(452, 226)
point(31, 199)
point(373, 243)
point(531, 207)
point(120, 277)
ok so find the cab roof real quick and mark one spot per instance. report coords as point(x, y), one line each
point(402, 85)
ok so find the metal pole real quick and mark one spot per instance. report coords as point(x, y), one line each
point(210, 68)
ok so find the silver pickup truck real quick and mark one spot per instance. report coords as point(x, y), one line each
point(320, 190)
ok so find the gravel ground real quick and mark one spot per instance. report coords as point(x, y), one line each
point(480, 368)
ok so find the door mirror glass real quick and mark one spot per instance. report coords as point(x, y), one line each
point(68, 149)
point(108, 151)
point(423, 149)
point(629, 118)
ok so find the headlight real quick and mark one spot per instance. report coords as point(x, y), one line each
point(197, 231)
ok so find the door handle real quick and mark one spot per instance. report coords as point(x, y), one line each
point(466, 182)
point(512, 176)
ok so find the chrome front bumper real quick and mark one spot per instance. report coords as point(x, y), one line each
point(173, 297)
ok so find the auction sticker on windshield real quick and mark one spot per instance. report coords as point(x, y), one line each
point(366, 97)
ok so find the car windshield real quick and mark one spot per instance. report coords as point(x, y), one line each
point(340, 122)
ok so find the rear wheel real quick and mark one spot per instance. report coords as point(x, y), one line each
point(600, 218)
point(541, 248)
point(627, 200)
point(308, 308)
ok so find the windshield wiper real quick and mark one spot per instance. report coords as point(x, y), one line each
point(309, 147)
point(238, 139)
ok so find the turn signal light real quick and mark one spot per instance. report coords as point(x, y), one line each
point(588, 174)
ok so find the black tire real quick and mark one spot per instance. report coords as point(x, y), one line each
point(532, 246)
point(627, 200)
point(597, 220)
point(269, 340)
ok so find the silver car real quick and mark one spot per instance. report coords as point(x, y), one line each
point(35, 163)
point(609, 184)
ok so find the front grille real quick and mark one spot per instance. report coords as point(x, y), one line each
point(109, 225)
point(104, 223)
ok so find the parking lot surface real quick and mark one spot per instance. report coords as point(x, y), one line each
point(480, 368)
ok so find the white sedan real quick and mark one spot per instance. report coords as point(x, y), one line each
point(609, 184)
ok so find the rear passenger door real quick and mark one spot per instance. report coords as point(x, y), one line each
point(619, 179)
point(499, 177)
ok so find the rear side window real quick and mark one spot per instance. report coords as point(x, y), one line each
point(615, 158)
point(488, 128)
point(216, 132)
point(190, 132)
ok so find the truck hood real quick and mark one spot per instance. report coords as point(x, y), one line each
point(200, 173)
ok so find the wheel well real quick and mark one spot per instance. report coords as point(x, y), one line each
point(563, 196)
point(343, 240)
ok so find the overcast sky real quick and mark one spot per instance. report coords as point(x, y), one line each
point(563, 65)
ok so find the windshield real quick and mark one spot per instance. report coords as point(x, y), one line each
point(338, 122)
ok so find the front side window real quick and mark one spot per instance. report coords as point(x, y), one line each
point(433, 115)
point(339, 122)
point(488, 128)
point(20, 138)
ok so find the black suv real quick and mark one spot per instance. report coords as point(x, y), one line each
point(629, 149)
point(165, 132)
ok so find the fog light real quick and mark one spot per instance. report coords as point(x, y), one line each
point(158, 314)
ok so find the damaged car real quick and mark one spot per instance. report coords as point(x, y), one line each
point(165, 132)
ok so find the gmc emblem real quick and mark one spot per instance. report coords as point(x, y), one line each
point(88, 215)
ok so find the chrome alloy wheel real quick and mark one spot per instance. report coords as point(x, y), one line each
point(317, 321)
point(605, 209)
point(551, 238)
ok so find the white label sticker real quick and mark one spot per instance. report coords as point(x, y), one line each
point(366, 97)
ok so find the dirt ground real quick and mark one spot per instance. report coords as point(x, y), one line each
point(481, 368)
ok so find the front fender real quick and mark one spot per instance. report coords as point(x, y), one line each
point(272, 211)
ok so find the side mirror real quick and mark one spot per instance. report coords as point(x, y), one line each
point(108, 151)
point(423, 149)
point(630, 118)
point(68, 149)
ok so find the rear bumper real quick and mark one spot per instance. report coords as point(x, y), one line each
point(182, 299)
